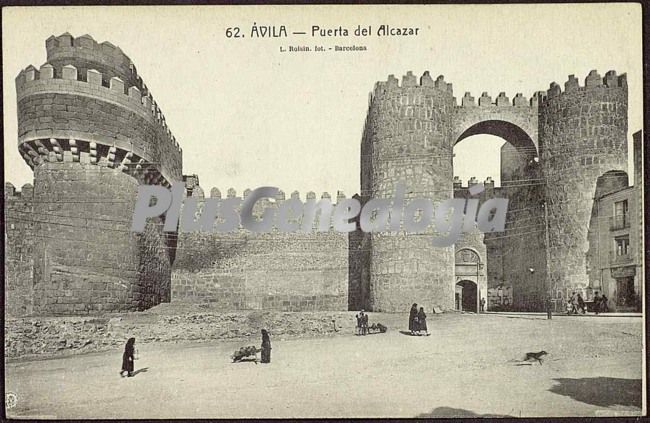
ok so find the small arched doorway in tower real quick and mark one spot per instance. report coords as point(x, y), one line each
point(466, 293)
point(468, 273)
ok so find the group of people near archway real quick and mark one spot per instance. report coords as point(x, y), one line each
point(577, 305)
point(418, 321)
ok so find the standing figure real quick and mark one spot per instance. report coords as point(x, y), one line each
point(482, 304)
point(573, 304)
point(358, 324)
point(364, 323)
point(422, 321)
point(597, 301)
point(413, 314)
point(581, 304)
point(603, 304)
point(127, 358)
point(266, 347)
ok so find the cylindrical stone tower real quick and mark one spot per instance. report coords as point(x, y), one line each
point(407, 139)
point(92, 133)
point(583, 134)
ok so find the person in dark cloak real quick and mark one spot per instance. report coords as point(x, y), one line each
point(597, 301)
point(413, 314)
point(127, 358)
point(581, 304)
point(266, 347)
point(422, 321)
point(604, 307)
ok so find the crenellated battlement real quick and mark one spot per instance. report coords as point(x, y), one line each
point(502, 100)
point(26, 192)
point(488, 184)
point(194, 190)
point(85, 52)
point(592, 81)
point(54, 45)
point(410, 81)
point(215, 192)
point(32, 81)
point(87, 104)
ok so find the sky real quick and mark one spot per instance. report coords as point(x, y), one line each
point(247, 115)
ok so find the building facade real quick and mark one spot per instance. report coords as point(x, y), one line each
point(616, 250)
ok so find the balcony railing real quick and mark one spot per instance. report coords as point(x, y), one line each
point(619, 222)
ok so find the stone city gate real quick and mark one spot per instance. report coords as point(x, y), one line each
point(558, 143)
point(91, 131)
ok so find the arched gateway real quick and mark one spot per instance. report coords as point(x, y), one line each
point(409, 135)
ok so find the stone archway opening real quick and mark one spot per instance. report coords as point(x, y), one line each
point(510, 132)
point(466, 296)
point(467, 165)
point(498, 147)
point(508, 151)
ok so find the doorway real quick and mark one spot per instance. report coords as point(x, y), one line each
point(467, 292)
point(625, 298)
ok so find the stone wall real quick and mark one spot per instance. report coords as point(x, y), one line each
point(583, 135)
point(87, 260)
point(523, 245)
point(242, 270)
point(523, 248)
point(19, 249)
point(359, 249)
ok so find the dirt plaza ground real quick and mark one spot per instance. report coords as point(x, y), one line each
point(467, 367)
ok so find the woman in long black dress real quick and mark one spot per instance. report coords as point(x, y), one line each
point(422, 321)
point(127, 358)
point(266, 347)
point(412, 315)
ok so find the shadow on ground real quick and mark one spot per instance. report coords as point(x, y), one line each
point(601, 391)
point(142, 370)
point(405, 332)
point(246, 360)
point(456, 412)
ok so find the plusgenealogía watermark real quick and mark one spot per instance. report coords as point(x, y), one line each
point(450, 217)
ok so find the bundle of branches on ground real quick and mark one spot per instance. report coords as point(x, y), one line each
point(249, 351)
point(377, 327)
